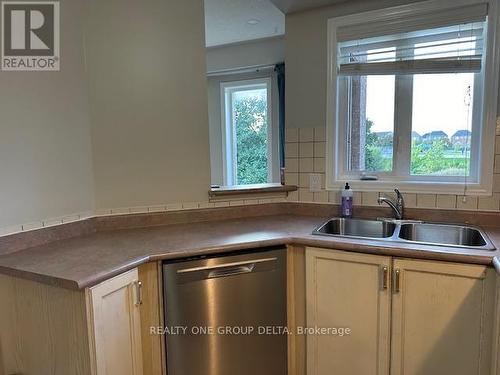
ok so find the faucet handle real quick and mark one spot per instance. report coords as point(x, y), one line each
point(399, 197)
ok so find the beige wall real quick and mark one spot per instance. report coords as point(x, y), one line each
point(123, 124)
point(146, 65)
point(45, 153)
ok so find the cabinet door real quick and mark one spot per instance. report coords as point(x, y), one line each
point(496, 332)
point(353, 291)
point(441, 318)
point(115, 325)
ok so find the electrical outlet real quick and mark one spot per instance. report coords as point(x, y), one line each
point(315, 180)
point(498, 125)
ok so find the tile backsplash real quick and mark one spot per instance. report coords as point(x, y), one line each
point(305, 151)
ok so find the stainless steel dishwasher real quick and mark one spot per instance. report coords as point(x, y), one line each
point(226, 315)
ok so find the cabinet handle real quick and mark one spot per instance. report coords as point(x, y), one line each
point(138, 293)
point(385, 277)
point(397, 279)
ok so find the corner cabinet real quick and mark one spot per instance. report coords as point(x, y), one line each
point(102, 330)
point(407, 317)
point(115, 325)
point(442, 318)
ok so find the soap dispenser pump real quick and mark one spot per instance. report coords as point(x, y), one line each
point(346, 206)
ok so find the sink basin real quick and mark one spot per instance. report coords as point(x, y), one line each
point(357, 228)
point(404, 232)
point(444, 234)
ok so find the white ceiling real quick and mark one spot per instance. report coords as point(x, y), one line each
point(226, 21)
point(290, 6)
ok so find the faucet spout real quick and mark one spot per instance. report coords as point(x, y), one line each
point(397, 206)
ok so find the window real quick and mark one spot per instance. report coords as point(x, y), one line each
point(441, 129)
point(410, 103)
point(247, 132)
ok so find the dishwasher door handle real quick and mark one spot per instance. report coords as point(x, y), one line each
point(235, 268)
point(231, 271)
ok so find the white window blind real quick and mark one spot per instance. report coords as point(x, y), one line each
point(455, 47)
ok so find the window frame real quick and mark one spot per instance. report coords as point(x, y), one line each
point(229, 157)
point(484, 117)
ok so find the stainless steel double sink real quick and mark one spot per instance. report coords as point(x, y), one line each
point(404, 231)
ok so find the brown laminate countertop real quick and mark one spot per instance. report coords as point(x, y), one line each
point(85, 261)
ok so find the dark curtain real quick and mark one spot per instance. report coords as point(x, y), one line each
point(280, 72)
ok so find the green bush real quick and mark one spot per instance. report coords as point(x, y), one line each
point(430, 159)
point(374, 160)
point(251, 140)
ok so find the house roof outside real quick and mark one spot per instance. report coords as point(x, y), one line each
point(462, 133)
point(383, 134)
point(435, 134)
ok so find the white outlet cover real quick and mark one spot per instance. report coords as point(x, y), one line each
point(498, 125)
point(315, 180)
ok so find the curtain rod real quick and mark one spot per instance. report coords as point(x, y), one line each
point(248, 69)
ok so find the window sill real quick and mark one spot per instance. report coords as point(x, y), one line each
point(242, 190)
point(421, 187)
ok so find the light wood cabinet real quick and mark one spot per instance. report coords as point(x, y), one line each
point(348, 290)
point(442, 318)
point(496, 331)
point(434, 318)
point(115, 325)
point(43, 329)
point(50, 330)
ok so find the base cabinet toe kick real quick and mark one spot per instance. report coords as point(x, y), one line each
point(341, 312)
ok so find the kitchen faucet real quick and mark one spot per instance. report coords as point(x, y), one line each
point(397, 206)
